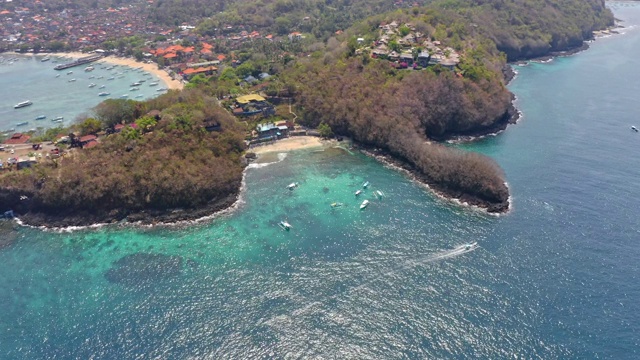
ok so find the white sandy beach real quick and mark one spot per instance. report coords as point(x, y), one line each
point(288, 144)
point(114, 60)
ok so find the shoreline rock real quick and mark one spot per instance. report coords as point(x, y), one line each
point(83, 218)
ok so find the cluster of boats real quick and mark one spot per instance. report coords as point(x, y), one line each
point(377, 193)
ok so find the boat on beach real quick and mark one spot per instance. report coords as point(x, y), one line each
point(22, 104)
point(364, 204)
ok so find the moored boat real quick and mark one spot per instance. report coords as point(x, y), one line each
point(285, 225)
point(22, 104)
point(58, 118)
point(92, 85)
point(40, 117)
point(292, 186)
point(22, 123)
point(366, 183)
point(364, 204)
point(358, 192)
point(104, 93)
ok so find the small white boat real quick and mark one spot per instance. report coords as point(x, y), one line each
point(124, 96)
point(69, 72)
point(46, 58)
point(72, 80)
point(59, 118)
point(40, 117)
point(111, 78)
point(153, 84)
point(139, 96)
point(100, 77)
point(366, 183)
point(104, 93)
point(89, 68)
point(470, 246)
point(292, 186)
point(92, 85)
point(364, 204)
point(102, 87)
point(379, 194)
point(134, 89)
point(336, 204)
point(22, 123)
point(136, 84)
point(22, 104)
point(285, 225)
point(358, 192)
point(634, 128)
point(57, 75)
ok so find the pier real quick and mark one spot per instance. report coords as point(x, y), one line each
point(81, 61)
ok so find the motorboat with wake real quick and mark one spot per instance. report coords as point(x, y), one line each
point(292, 186)
point(634, 128)
point(470, 246)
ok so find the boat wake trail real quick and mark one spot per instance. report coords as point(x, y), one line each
point(397, 270)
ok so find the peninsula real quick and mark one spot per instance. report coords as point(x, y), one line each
point(397, 83)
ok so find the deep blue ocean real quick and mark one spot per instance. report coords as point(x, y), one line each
point(556, 278)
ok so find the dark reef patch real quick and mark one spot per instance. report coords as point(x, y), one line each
point(143, 268)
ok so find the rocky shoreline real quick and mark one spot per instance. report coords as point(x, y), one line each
point(29, 215)
point(394, 162)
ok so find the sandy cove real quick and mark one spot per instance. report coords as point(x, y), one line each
point(289, 144)
point(170, 82)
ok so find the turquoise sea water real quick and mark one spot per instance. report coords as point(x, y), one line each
point(557, 278)
point(27, 78)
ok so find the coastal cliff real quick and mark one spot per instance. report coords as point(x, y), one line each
point(170, 168)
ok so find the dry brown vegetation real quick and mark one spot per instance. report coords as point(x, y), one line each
point(175, 164)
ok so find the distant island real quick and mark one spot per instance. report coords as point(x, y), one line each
point(397, 83)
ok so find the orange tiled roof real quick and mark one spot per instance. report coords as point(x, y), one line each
point(207, 46)
point(170, 56)
point(221, 57)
